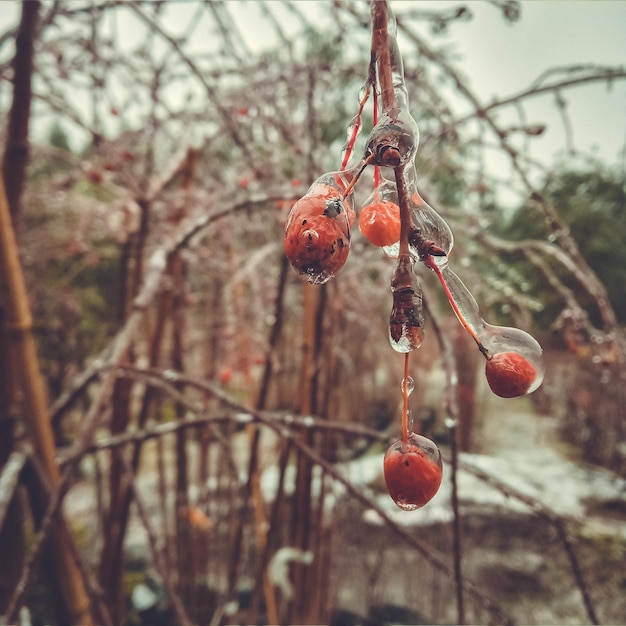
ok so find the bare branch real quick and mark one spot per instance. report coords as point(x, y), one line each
point(9, 480)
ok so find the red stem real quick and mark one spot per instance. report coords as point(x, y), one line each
point(356, 128)
point(405, 403)
point(429, 262)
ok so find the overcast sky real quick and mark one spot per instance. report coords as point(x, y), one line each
point(502, 58)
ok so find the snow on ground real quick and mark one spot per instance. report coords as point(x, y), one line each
point(562, 486)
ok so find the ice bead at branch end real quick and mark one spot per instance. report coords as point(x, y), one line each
point(317, 232)
point(515, 365)
point(410, 385)
point(406, 321)
point(413, 471)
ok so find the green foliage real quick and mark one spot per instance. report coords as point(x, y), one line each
point(58, 137)
point(75, 308)
point(323, 48)
point(593, 205)
point(93, 190)
point(130, 580)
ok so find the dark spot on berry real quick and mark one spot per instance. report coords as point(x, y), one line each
point(333, 207)
point(407, 463)
point(303, 222)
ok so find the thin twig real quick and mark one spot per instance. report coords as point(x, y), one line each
point(156, 552)
point(9, 480)
point(92, 586)
point(452, 411)
point(47, 524)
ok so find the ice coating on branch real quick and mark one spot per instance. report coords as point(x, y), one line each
point(406, 322)
point(522, 371)
point(354, 128)
point(493, 339)
point(393, 142)
point(394, 139)
point(467, 308)
point(431, 225)
point(397, 67)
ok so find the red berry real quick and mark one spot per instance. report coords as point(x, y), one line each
point(509, 374)
point(317, 234)
point(94, 176)
point(413, 471)
point(226, 375)
point(380, 222)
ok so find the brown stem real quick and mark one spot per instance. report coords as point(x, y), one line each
point(405, 211)
point(380, 47)
point(158, 558)
point(314, 306)
point(16, 149)
point(452, 411)
point(9, 481)
point(18, 326)
point(38, 475)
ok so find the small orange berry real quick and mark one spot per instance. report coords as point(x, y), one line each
point(380, 222)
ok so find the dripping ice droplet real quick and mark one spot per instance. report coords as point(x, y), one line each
point(410, 385)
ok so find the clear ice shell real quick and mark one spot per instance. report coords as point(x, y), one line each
point(413, 471)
